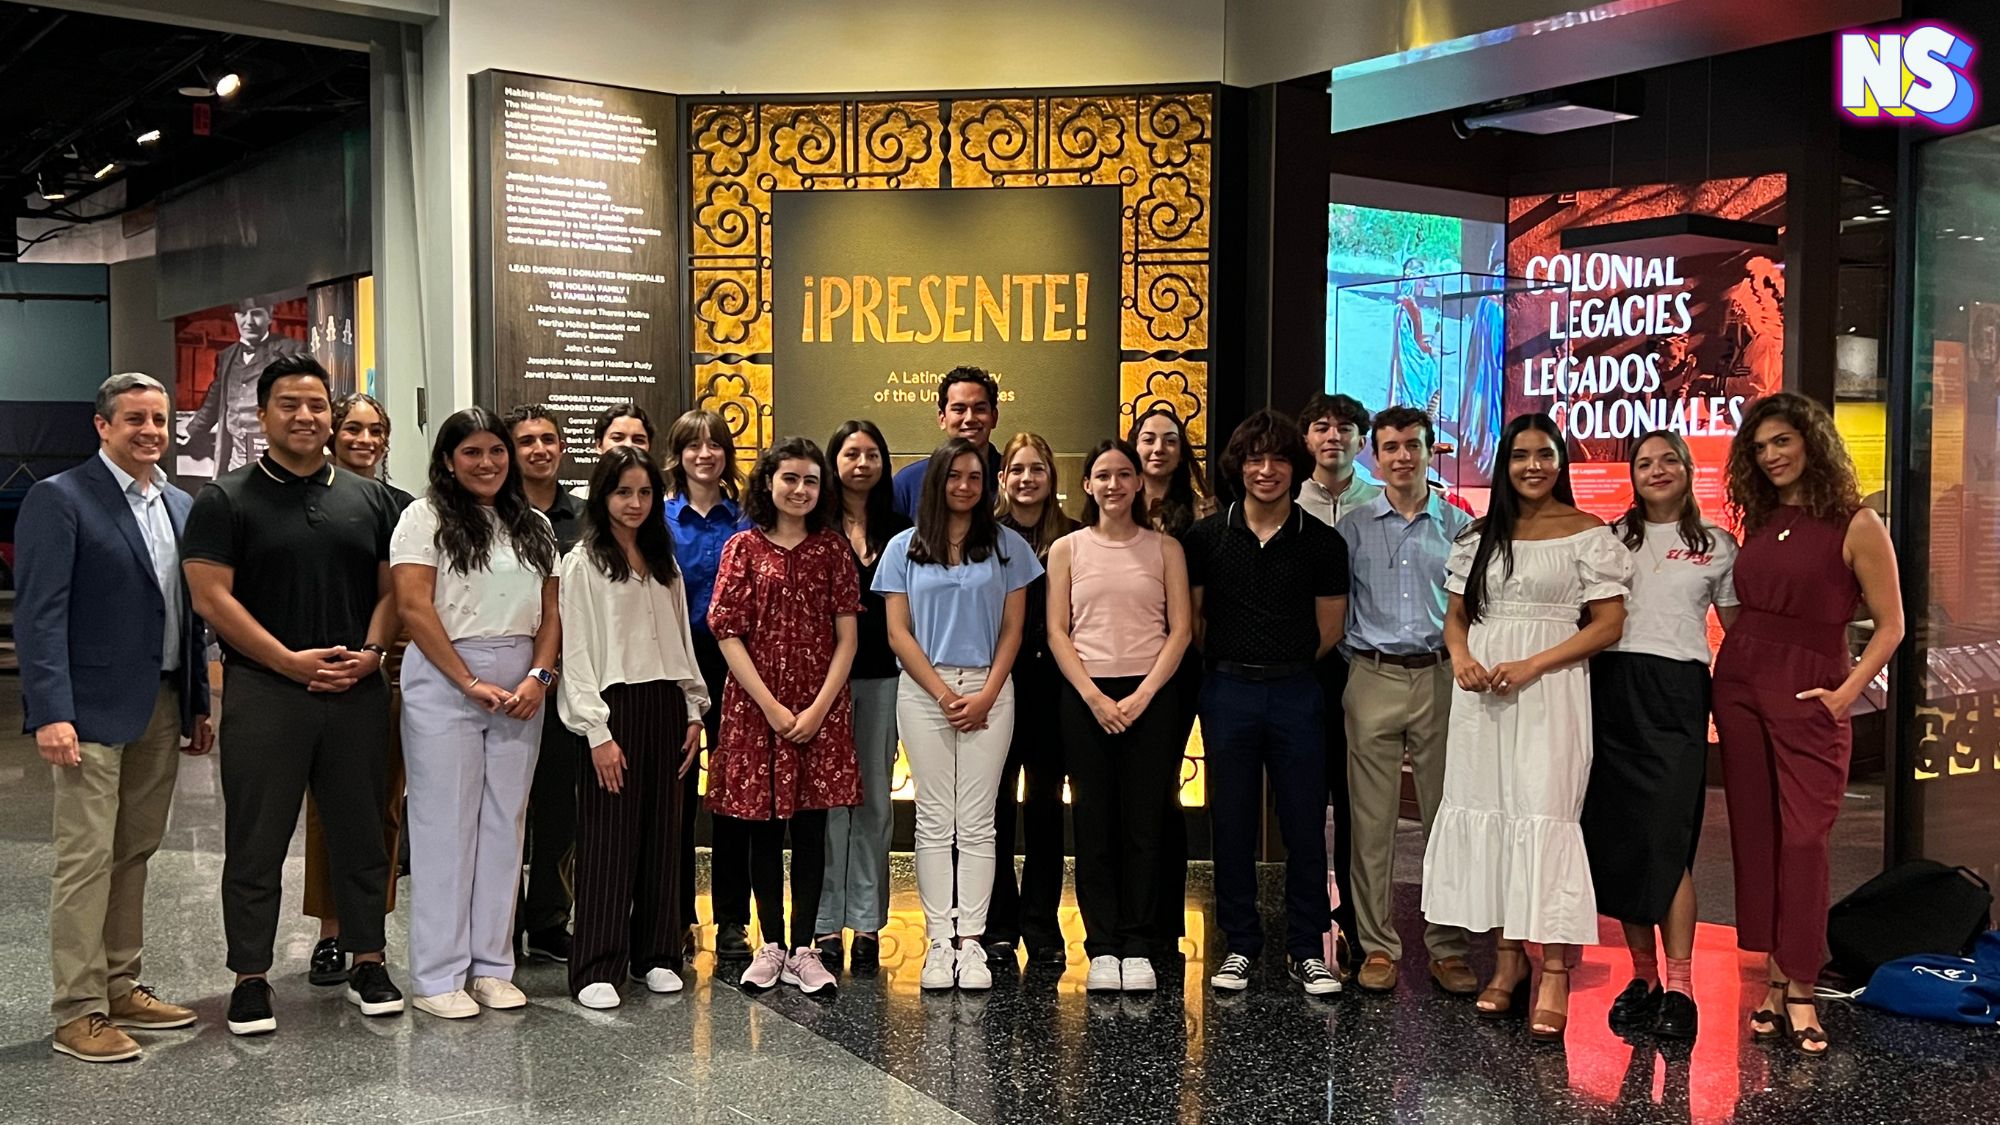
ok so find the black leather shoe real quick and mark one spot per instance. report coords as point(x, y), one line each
point(1635, 1007)
point(1678, 1018)
point(830, 951)
point(329, 964)
point(732, 942)
point(999, 953)
point(866, 954)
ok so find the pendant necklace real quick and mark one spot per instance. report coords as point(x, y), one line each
point(1787, 532)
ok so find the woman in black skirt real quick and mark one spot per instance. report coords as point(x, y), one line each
point(1649, 696)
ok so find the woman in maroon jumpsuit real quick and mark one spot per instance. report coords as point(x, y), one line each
point(1784, 683)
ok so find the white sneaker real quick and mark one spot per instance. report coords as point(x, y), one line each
point(1103, 975)
point(972, 970)
point(599, 995)
point(453, 1005)
point(940, 965)
point(500, 995)
point(660, 979)
point(1137, 973)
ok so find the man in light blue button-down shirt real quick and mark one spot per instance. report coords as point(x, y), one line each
point(1398, 697)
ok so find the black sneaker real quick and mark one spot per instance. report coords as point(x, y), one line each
point(732, 942)
point(370, 989)
point(1636, 1007)
point(329, 964)
point(1678, 1018)
point(1314, 976)
point(1234, 975)
point(250, 1008)
point(551, 944)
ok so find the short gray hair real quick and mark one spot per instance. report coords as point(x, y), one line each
point(109, 390)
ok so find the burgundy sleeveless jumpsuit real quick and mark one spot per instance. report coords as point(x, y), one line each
point(1784, 760)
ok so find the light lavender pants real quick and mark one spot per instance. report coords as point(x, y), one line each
point(468, 772)
point(958, 788)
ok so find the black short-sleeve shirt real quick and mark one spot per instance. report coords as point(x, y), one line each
point(1258, 597)
point(305, 550)
point(873, 659)
point(566, 517)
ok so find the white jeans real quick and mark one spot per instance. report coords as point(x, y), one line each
point(958, 787)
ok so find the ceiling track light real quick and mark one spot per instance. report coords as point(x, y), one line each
point(149, 137)
point(228, 84)
point(223, 87)
point(110, 168)
point(50, 194)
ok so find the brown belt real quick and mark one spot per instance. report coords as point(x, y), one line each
point(1419, 660)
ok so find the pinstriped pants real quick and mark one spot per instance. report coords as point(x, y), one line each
point(628, 870)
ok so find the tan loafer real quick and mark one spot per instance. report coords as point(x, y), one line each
point(1455, 976)
point(93, 1039)
point(1378, 973)
point(142, 1010)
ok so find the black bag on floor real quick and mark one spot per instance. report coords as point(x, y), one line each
point(1917, 907)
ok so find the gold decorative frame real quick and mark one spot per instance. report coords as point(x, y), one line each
point(1157, 145)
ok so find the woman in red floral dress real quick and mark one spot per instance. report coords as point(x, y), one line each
point(783, 611)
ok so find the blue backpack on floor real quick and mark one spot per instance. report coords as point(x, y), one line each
point(1940, 987)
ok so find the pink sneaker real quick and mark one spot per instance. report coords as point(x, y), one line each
point(807, 972)
point(766, 969)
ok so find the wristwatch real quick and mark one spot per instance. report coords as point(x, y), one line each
point(545, 676)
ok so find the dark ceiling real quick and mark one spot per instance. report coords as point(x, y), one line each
point(77, 90)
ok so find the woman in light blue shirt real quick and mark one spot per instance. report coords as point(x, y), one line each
point(956, 590)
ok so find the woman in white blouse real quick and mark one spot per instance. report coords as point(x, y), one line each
point(632, 689)
point(474, 569)
point(1650, 702)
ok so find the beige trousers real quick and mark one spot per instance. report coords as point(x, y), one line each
point(110, 812)
point(1393, 712)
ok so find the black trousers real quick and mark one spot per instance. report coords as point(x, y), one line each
point(1332, 675)
point(551, 839)
point(766, 840)
point(628, 870)
point(279, 742)
point(1170, 900)
point(1120, 784)
point(728, 865)
point(1026, 910)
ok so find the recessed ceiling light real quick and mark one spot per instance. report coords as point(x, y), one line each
point(149, 137)
point(227, 85)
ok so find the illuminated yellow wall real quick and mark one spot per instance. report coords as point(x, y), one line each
point(1865, 427)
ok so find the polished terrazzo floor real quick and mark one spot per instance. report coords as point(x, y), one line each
point(1035, 1049)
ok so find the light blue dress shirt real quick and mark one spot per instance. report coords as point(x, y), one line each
point(1396, 570)
point(148, 502)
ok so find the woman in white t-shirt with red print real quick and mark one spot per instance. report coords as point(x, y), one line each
point(1650, 698)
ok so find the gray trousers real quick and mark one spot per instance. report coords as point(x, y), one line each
point(468, 776)
point(1393, 712)
point(856, 893)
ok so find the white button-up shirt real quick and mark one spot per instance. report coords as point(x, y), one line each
point(148, 501)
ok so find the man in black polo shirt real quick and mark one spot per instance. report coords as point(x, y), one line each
point(1270, 598)
point(543, 919)
point(288, 560)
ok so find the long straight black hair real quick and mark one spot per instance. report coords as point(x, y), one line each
point(1503, 512)
point(464, 534)
point(880, 507)
point(932, 541)
point(655, 542)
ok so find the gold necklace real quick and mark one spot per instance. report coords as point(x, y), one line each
point(1659, 560)
point(1787, 532)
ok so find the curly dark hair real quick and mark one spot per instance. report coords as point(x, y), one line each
point(1828, 487)
point(464, 535)
point(1266, 432)
point(759, 507)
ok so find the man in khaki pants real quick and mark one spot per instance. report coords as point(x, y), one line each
point(1398, 696)
point(112, 677)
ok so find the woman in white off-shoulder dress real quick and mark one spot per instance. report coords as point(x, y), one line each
point(1506, 852)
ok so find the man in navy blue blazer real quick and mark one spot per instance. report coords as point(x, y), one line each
point(113, 676)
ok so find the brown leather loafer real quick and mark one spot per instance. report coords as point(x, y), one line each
point(143, 1010)
point(93, 1039)
point(1378, 973)
point(1455, 976)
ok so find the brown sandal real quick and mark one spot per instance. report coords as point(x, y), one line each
point(1506, 1002)
point(1804, 1035)
point(1776, 1022)
point(1555, 1022)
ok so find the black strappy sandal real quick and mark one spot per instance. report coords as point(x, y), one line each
point(1775, 1023)
point(1804, 1035)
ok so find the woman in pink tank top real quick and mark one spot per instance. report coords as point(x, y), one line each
point(1119, 620)
point(1783, 685)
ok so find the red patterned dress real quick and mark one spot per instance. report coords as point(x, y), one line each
point(781, 604)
